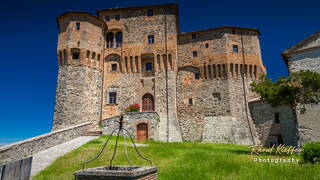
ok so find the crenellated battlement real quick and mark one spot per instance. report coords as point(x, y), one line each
point(137, 55)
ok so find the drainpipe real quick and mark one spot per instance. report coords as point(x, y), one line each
point(102, 79)
point(244, 88)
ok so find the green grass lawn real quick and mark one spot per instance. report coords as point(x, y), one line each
point(184, 161)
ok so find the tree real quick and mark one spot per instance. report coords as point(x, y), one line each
point(300, 88)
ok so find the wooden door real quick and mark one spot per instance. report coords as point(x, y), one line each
point(142, 132)
point(147, 103)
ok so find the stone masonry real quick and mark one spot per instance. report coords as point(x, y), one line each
point(130, 122)
point(305, 55)
point(19, 150)
point(198, 83)
point(271, 131)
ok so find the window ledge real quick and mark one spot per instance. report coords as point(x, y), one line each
point(116, 104)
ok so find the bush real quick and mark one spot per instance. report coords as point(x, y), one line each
point(132, 108)
point(311, 152)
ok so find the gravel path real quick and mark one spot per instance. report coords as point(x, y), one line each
point(43, 159)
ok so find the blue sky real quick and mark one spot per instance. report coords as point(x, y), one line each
point(28, 34)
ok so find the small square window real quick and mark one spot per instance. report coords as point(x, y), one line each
point(117, 17)
point(112, 97)
point(113, 67)
point(78, 26)
point(150, 39)
point(196, 75)
point(190, 101)
point(194, 36)
point(207, 45)
point(217, 96)
point(108, 18)
point(277, 118)
point(235, 48)
point(194, 53)
point(150, 12)
point(148, 66)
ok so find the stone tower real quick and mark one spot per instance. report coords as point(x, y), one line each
point(79, 86)
point(140, 63)
point(215, 69)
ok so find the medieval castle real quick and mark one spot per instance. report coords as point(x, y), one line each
point(192, 86)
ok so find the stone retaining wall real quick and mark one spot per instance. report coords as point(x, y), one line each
point(130, 122)
point(36, 144)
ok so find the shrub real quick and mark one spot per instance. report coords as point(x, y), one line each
point(132, 108)
point(311, 152)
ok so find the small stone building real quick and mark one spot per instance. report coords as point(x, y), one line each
point(305, 55)
point(275, 125)
point(198, 83)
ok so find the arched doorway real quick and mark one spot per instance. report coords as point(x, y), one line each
point(142, 132)
point(147, 102)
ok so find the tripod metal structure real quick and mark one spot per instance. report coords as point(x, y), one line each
point(119, 130)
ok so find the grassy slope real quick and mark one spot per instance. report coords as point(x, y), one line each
point(183, 161)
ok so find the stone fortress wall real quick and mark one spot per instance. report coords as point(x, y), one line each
point(131, 81)
point(218, 96)
point(194, 80)
point(22, 149)
point(79, 87)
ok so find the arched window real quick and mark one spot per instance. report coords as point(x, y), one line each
point(241, 70)
point(109, 40)
point(112, 62)
point(118, 39)
point(219, 70)
point(147, 102)
point(250, 71)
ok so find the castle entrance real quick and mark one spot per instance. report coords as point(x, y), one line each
point(147, 102)
point(142, 132)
